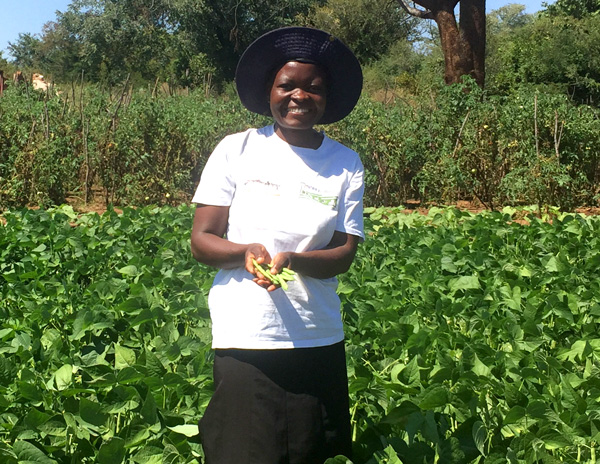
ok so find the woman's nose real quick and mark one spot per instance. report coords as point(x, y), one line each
point(299, 94)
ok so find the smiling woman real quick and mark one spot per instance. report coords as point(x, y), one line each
point(283, 196)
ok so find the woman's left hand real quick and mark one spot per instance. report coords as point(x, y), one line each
point(280, 261)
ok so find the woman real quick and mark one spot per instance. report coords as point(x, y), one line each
point(288, 196)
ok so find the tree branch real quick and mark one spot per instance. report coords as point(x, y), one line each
point(424, 14)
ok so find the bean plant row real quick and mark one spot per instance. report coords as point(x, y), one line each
point(470, 338)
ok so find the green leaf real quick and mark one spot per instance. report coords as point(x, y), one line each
point(30, 391)
point(399, 414)
point(30, 454)
point(390, 456)
point(149, 411)
point(8, 371)
point(128, 270)
point(537, 409)
point(92, 412)
point(149, 455)
point(170, 455)
point(55, 427)
point(516, 414)
point(155, 367)
point(552, 265)
point(464, 283)
point(63, 377)
point(124, 357)
point(554, 440)
point(34, 418)
point(448, 264)
point(188, 430)
point(479, 436)
point(434, 398)
point(480, 368)
point(408, 375)
point(580, 349)
point(112, 452)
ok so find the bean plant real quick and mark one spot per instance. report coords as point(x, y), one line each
point(469, 338)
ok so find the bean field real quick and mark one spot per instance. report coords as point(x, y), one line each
point(471, 338)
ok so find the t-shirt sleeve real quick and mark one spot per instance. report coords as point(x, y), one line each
point(350, 214)
point(217, 184)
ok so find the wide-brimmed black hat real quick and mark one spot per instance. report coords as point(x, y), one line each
point(275, 48)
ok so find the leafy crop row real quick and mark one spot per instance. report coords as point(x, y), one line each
point(475, 339)
point(470, 338)
point(104, 338)
point(529, 147)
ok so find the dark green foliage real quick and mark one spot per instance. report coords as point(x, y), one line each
point(574, 8)
point(470, 338)
point(466, 145)
point(552, 50)
point(135, 148)
point(370, 28)
point(39, 159)
point(104, 341)
point(180, 41)
point(25, 51)
point(474, 336)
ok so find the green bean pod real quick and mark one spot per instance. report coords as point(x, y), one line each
point(280, 278)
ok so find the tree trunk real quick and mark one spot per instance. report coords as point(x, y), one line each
point(458, 59)
point(463, 45)
point(472, 25)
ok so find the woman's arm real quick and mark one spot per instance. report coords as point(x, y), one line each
point(209, 246)
point(335, 259)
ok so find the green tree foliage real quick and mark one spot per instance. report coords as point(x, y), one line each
point(179, 41)
point(559, 50)
point(111, 39)
point(369, 27)
point(60, 54)
point(574, 8)
point(507, 18)
point(502, 24)
point(222, 29)
point(25, 50)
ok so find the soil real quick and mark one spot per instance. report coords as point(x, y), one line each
point(98, 205)
point(95, 205)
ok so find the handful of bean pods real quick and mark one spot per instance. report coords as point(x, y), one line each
point(281, 278)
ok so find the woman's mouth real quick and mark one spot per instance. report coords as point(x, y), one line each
point(297, 110)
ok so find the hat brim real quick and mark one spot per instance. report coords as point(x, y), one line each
point(275, 48)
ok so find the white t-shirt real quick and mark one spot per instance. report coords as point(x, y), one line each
point(288, 199)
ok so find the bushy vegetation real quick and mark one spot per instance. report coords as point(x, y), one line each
point(135, 148)
point(531, 146)
point(470, 338)
point(147, 93)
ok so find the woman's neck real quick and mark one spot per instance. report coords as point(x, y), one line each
point(306, 138)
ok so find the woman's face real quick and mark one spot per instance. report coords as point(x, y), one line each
point(298, 95)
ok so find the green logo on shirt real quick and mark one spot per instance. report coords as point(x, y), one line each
point(327, 200)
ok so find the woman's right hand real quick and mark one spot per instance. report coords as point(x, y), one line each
point(261, 255)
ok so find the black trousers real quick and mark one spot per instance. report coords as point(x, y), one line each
point(278, 407)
